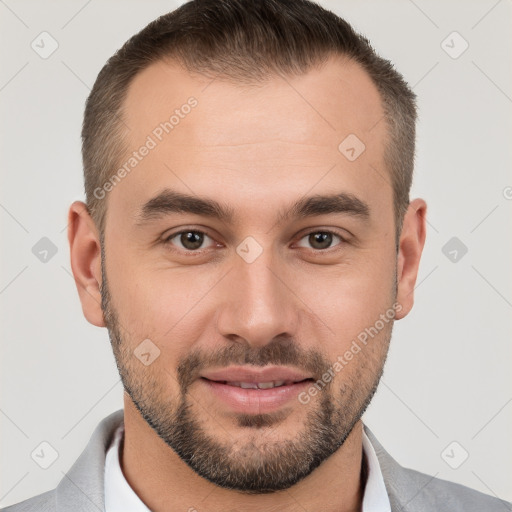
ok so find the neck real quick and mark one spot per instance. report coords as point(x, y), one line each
point(164, 482)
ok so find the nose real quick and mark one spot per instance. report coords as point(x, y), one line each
point(259, 303)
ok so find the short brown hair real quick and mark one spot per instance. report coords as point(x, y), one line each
point(243, 41)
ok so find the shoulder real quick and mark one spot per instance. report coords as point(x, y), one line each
point(414, 491)
point(82, 487)
point(425, 492)
point(44, 502)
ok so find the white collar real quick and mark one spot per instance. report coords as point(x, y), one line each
point(375, 497)
point(120, 497)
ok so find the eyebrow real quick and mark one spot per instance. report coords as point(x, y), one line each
point(170, 201)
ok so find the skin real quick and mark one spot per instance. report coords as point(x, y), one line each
point(256, 150)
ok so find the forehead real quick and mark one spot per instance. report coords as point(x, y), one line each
point(257, 139)
point(339, 97)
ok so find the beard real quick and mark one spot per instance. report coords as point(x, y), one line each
point(254, 465)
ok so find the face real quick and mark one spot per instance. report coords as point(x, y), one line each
point(259, 260)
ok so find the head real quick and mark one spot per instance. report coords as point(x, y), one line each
point(247, 173)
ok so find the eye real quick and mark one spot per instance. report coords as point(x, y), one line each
point(321, 240)
point(190, 240)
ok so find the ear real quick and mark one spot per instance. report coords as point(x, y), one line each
point(85, 249)
point(412, 240)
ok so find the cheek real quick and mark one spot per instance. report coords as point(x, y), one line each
point(351, 303)
point(166, 305)
point(357, 362)
point(349, 300)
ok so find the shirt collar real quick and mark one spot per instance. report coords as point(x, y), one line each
point(375, 497)
point(120, 497)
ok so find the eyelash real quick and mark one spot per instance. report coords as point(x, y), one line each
point(167, 240)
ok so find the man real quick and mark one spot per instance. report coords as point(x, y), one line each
point(248, 241)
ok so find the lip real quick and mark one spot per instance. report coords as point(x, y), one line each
point(254, 401)
point(248, 374)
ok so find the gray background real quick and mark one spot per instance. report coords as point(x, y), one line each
point(448, 376)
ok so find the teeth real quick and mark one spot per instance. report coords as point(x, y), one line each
point(249, 385)
point(257, 385)
point(268, 385)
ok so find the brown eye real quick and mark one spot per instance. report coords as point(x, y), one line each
point(321, 240)
point(189, 240)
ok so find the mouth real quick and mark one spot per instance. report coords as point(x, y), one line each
point(253, 375)
point(259, 385)
point(255, 397)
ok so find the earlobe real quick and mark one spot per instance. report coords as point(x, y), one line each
point(412, 241)
point(85, 251)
